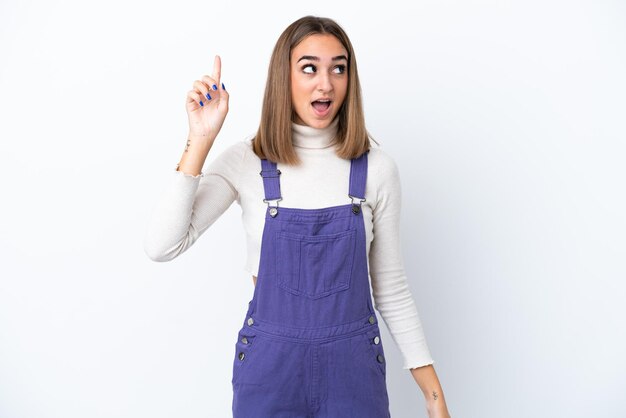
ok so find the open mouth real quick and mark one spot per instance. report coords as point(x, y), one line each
point(321, 106)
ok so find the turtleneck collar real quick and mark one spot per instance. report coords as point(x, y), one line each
point(308, 137)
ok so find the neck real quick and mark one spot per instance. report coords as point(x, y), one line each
point(304, 136)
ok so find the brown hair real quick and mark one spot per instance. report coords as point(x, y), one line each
point(273, 138)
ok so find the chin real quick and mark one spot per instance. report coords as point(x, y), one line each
point(319, 123)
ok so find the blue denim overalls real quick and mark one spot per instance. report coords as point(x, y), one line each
point(310, 345)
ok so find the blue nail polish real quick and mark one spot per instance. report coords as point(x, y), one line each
point(208, 96)
point(201, 104)
point(223, 86)
point(214, 87)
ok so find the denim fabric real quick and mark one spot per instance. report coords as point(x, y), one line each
point(310, 345)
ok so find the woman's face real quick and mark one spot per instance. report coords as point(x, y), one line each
point(319, 79)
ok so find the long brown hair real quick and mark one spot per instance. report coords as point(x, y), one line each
point(273, 138)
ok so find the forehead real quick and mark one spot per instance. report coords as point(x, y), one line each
point(319, 45)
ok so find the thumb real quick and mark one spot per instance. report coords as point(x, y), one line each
point(224, 98)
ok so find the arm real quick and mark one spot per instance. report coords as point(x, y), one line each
point(191, 204)
point(194, 201)
point(427, 380)
point(391, 293)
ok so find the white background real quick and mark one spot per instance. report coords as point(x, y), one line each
point(506, 119)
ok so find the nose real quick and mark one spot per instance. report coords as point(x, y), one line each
point(324, 83)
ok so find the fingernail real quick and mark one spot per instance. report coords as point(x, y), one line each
point(214, 87)
point(201, 104)
point(208, 96)
point(223, 86)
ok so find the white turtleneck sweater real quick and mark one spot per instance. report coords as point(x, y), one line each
point(190, 205)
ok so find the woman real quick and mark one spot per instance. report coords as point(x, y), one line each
point(318, 204)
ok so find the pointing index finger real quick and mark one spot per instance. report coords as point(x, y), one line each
point(217, 69)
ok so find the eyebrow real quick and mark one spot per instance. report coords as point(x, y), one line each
point(314, 58)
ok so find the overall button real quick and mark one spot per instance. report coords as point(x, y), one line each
point(250, 321)
point(380, 358)
point(376, 339)
point(372, 319)
point(241, 356)
point(245, 340)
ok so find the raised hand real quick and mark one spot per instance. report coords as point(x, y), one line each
point(207, 104)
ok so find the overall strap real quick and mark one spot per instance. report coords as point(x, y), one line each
point(358, 179)
point(358, 176)
point(271, 185)
point(271, 180)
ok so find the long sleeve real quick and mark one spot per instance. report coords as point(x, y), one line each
point(390, 289)
point(189, 205)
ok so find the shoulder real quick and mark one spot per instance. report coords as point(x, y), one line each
point(383, 180)
point(230, 154)
point(380, 163)
point(237, 149)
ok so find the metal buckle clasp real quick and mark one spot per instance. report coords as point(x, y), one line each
point(278, 173)
point(273, 209)
point(356, 207)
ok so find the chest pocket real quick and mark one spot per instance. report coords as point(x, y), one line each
point(314, 266)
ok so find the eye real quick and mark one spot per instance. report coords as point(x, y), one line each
point(340, 69)
point(306, 68)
